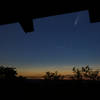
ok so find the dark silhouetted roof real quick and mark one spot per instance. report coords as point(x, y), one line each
point(25, 17)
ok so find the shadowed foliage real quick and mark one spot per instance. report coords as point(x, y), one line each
point(7, 72)
point(85, 73)
point(53, 76)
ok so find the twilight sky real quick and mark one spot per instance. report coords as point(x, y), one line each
point(58, 43)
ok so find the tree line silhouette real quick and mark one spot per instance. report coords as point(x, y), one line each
point(85, 73)
point(82, 73)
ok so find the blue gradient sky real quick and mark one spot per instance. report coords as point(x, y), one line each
point(57, 42)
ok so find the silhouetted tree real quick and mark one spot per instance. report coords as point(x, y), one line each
point(47, 76)
point(77, 74)
point(94, 75)
point(85, 73)
point(53, 76)
point(7, 72)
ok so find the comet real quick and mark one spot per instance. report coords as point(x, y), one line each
point(76, 20)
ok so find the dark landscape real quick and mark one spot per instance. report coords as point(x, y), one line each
point(21, 86)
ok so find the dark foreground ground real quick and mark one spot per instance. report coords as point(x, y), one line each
point(42, 88)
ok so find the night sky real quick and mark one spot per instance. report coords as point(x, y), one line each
point(58, 43)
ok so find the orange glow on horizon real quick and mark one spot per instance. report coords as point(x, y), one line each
point(38, 73)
